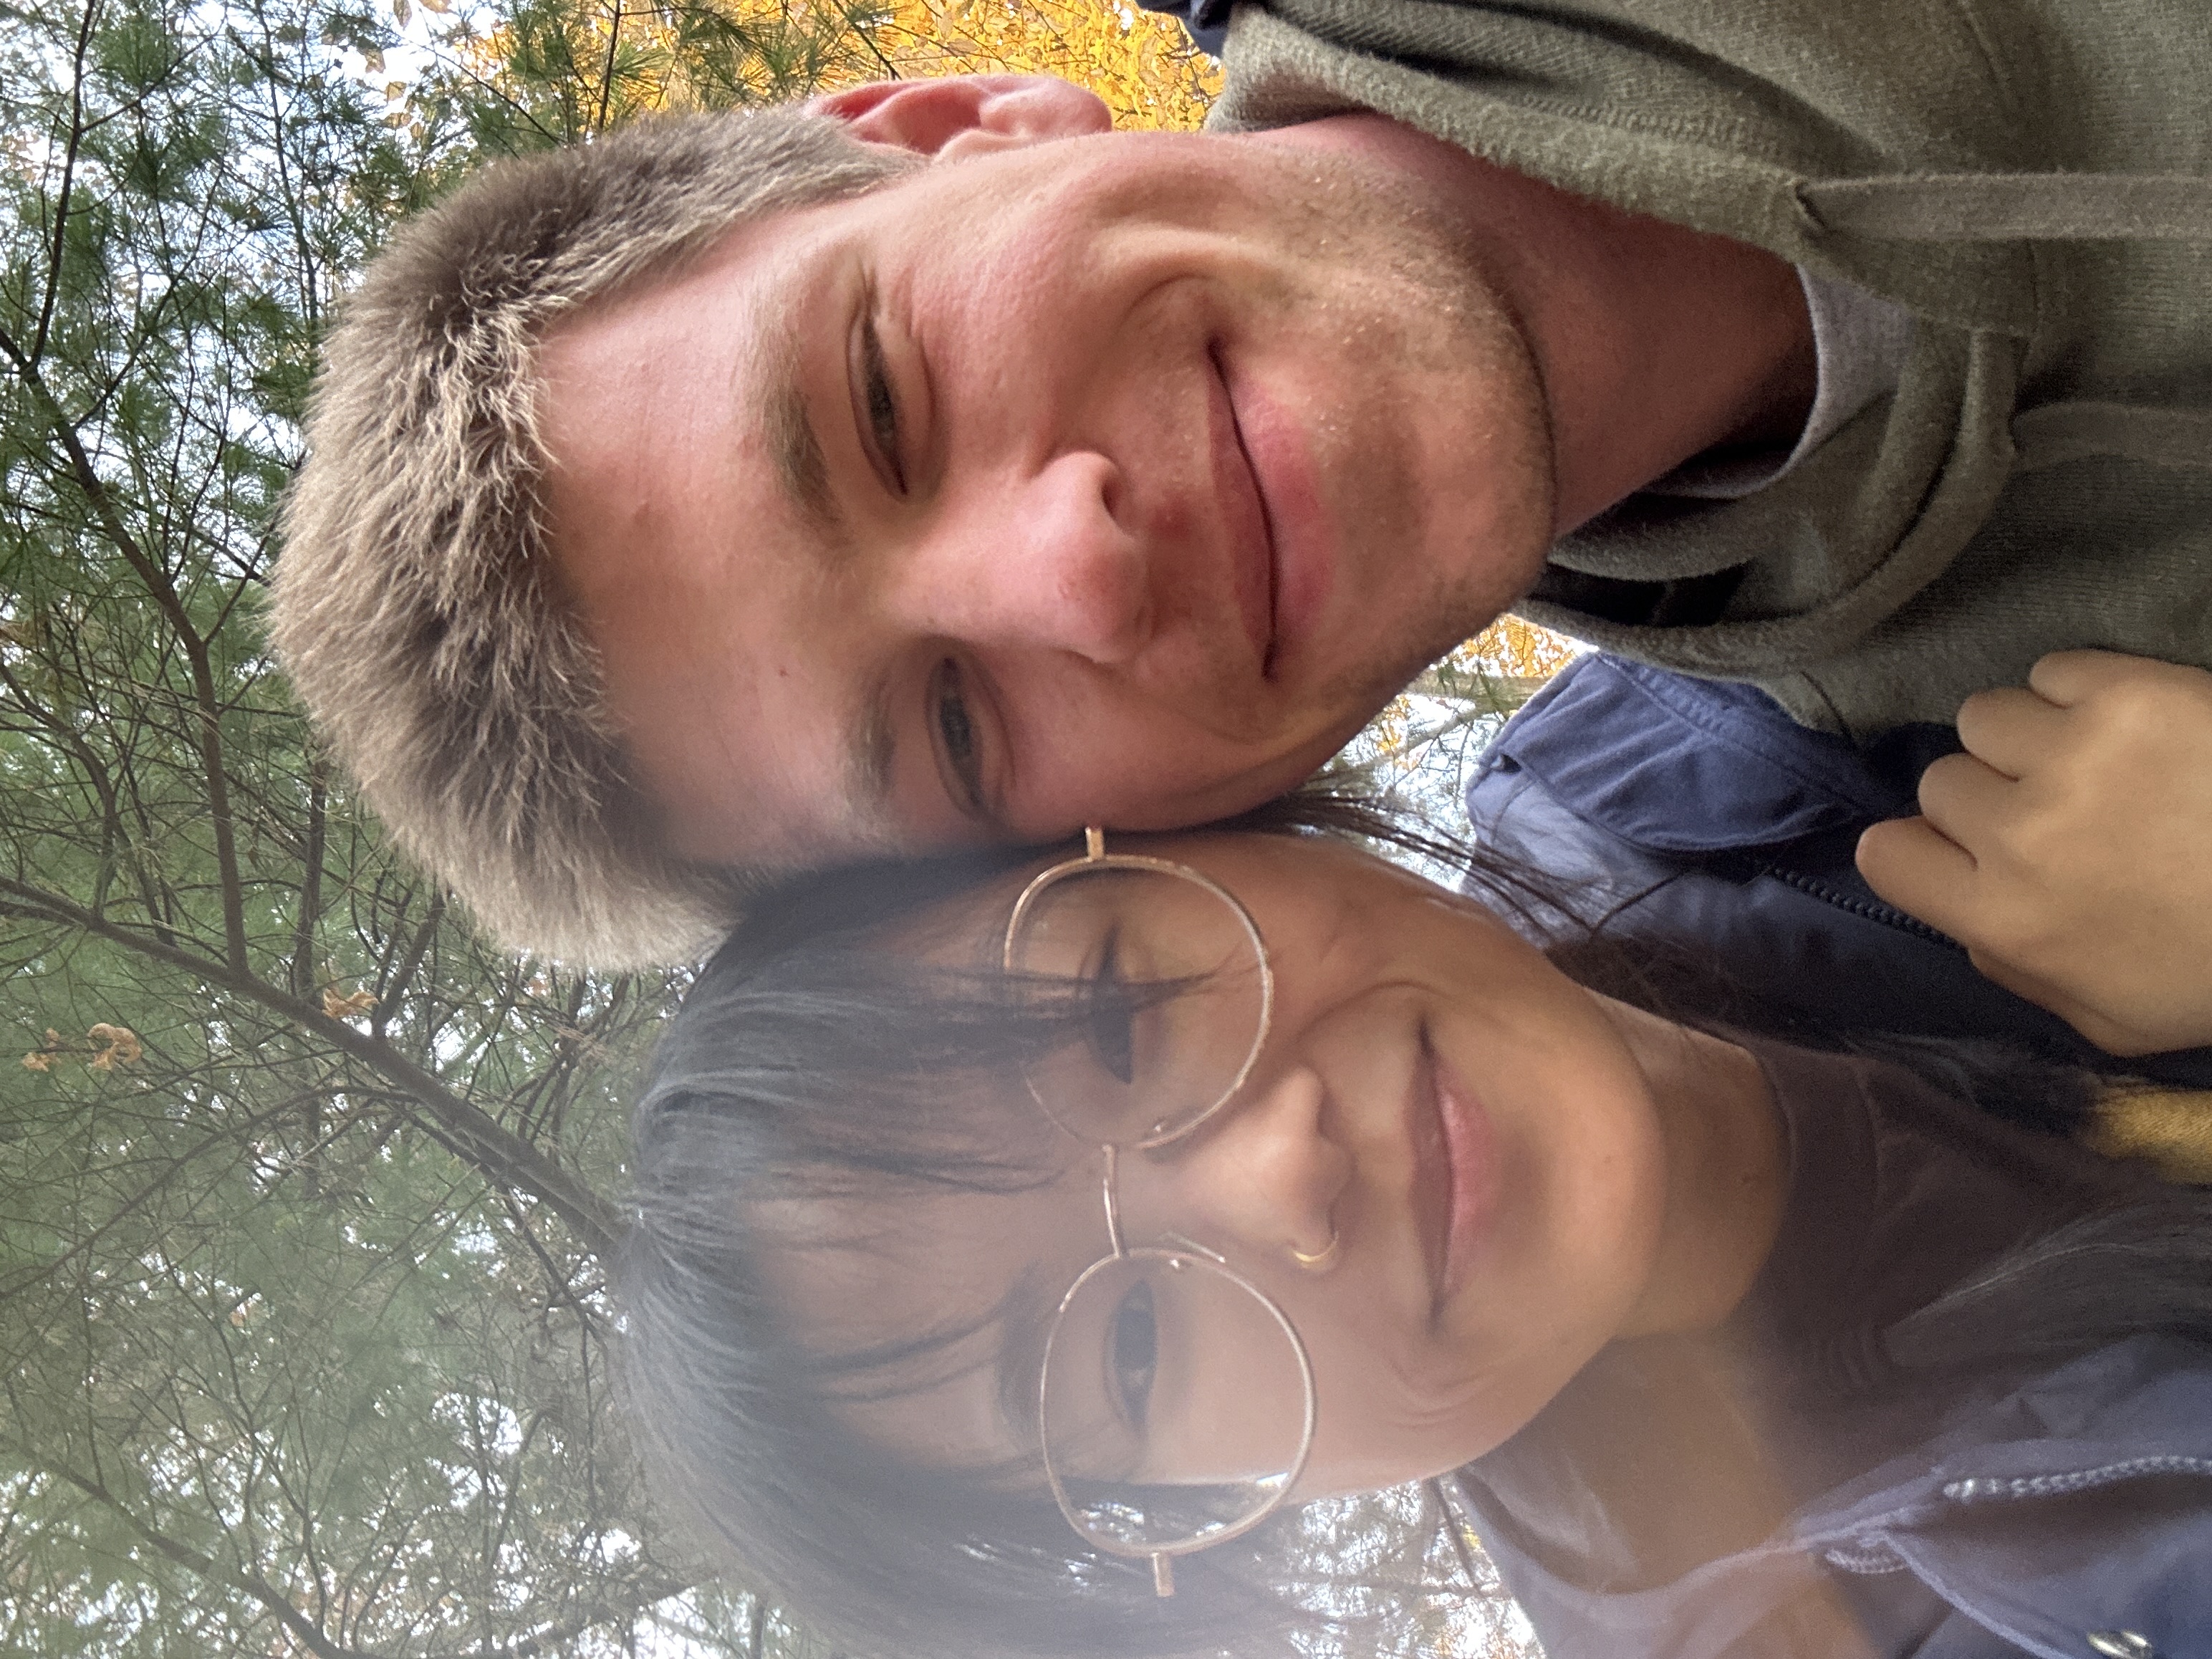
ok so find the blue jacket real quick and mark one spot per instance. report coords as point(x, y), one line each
point(2069, 1518)
point(1698, 812)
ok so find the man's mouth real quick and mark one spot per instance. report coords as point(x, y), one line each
point(1276, 454)
point(1249, 532)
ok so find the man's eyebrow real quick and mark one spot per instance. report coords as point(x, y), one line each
point(802, 470)
point(794, 447)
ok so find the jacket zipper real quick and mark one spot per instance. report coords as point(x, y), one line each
point(1888, 917)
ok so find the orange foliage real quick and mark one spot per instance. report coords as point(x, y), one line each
point(1510, 655)
point(1141, 63)
point(1511, 645)
point(631, 59)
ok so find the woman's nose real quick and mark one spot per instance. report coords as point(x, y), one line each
point(1262, 1178)
point(1048, 564)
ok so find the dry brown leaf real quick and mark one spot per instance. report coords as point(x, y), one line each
point(122, 1045)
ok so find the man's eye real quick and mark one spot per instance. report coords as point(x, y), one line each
point(956, 731)
point(883, 407)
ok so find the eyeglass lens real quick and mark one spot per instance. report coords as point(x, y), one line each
point(1173, 995)
point(1175, 1404)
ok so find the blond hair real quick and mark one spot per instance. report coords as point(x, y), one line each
point(414, 604)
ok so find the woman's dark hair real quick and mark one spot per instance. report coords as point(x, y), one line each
point(807, 1058)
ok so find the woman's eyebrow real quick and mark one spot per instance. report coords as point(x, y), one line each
point(1025, 1318)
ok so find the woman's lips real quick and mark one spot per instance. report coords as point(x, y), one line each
point(1471, 1152)
point(1455, 1174)
point(1431, 1194)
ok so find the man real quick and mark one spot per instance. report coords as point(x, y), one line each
point(738, 495)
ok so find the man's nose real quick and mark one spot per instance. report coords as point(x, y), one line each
point(1050, 563)
point(1262, 1180)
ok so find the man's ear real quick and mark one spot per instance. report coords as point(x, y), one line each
point(958, 115)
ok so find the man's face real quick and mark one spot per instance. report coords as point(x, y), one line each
point(1112, 479)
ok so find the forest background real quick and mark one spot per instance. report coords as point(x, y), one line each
point(306, 1193)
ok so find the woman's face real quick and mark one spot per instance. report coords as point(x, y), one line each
point(1464, 1120)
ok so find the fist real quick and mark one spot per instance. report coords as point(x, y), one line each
point(2069, 848)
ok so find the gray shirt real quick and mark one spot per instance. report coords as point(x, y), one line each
point(2031, 183)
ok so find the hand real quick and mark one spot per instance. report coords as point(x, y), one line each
point(2069, 848)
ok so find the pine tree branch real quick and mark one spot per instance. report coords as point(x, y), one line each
point(172, 603)
point(69, 180)
point(252, 1584)
point(1499, 694)
point(499, 1154)
point(545, 1640)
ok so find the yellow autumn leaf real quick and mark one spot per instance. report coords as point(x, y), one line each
point(1141, 63)
point(1511, 646)
point(38, 1062)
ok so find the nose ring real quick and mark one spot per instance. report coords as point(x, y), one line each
point(1320, 1261)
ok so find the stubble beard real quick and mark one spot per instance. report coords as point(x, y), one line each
point(1474, 336)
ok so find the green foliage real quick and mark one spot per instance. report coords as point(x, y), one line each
point(306, 1194)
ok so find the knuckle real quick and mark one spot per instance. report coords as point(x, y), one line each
point(1953, 798)
point(1978, 705)
point(1881, 855)
point(2137, 708)
point(1942, 778)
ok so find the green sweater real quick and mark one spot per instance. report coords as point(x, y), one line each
point(2031, 179)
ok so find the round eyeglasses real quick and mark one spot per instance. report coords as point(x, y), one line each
point(1176, 1407)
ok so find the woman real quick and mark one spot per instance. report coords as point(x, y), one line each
point(1017, 1249)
